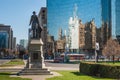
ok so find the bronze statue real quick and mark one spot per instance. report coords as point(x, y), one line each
point(35, 26)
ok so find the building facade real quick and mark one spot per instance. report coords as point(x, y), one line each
point(117, 19)
point(6, 34)
point(14, 43)
point(42, 16)
point(6, 40)
point(106, 20)
point(81, 35)
point(90, 35)
point(61, 42)
point(50, 47)
point(24, 43)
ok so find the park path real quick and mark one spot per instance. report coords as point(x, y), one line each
point(38, 77)
point(35, 77)
point(52, 67)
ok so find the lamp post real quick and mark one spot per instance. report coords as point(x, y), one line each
point(96, 49)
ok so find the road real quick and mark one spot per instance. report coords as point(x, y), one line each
point(2, 61)
point(61, 66)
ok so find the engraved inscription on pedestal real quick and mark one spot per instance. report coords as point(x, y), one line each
point(35, 56)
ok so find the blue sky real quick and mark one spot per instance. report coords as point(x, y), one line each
point(17, 14)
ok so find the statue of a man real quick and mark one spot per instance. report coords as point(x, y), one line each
point(36, 29)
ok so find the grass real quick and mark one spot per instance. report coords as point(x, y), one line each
point(13, 62)
point(75, 75)
point(6, 76)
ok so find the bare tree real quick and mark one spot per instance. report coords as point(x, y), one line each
point(111, 49)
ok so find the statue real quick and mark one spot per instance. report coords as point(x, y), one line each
point(35, 26)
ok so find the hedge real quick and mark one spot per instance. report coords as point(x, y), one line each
point(101, 70)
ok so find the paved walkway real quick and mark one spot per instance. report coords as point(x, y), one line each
point(63, 68)
point(35, 77)
point(42, 77)
point(38, 77)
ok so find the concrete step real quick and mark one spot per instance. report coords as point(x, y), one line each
point(36, 71)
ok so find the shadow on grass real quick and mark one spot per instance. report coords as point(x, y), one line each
point(5, 74)
point(77, 73)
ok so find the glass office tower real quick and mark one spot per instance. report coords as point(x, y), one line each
point(3, 40)
point(59, 12)
point(117, 19)
point(106, 14)
point(102, 11)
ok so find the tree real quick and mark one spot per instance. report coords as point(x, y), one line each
point(111, 49)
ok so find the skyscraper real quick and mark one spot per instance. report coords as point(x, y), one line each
point(24, 43)
point(6, 36)
point(117, 19)
point(107, 14)
point(42, 16)
point(60, 11)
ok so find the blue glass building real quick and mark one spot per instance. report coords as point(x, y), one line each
point(117, 17)
point(106, 14)
point(3, 40)
point(59, 12)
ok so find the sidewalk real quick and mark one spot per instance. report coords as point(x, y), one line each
point(35, 77)
point(62, 68)
point(38, 77)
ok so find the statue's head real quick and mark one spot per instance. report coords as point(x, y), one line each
point(34, 12)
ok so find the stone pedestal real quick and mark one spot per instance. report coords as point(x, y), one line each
point(35, 64)
point(36, 59)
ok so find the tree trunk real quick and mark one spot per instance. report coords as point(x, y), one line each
point(113, 59)
point(118, 59)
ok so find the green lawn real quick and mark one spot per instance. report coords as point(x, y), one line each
point(75, 75)
point(13, 62)
point(5, 76)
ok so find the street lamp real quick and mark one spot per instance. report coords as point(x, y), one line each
point(96, 49)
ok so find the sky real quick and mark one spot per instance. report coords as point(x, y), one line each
point(17, 13)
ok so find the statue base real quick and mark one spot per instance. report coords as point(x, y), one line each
point(35, 64)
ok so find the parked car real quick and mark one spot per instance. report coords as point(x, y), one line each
point(58, 60)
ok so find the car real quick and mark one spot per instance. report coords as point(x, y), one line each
point(58, 60)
